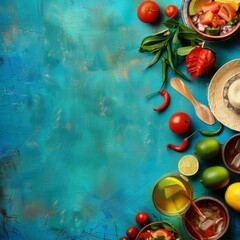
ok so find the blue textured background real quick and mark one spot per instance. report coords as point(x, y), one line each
point(80, 147)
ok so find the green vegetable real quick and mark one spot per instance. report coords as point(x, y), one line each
point(164, 70)
point(182, 75)
point(212, 133)
point(212, 31)
point(233, 21)
point(169, 41)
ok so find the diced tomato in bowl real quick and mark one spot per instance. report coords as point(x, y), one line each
point(214, 20)
point(159, 230)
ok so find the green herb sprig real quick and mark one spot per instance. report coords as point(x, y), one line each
point(176, 40)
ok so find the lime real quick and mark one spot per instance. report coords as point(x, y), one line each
point(232, 196)
point(188, 165)
point(207, 149)
point(215, 177)
point(195, 6)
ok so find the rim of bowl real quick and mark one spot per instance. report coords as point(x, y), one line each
point(156, 223)
point(218, 202)
point(211, 37)
point(223, 152)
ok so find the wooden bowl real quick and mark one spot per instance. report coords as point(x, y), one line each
point(189, 22)
point(156, 224)
point(205, 203)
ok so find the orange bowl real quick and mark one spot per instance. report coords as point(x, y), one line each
point(203, 35)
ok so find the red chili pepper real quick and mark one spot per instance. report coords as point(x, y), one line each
point(183, 146)
point(166, 97)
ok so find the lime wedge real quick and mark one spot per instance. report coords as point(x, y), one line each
point(195, 6)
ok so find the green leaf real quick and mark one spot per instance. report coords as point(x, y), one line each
point(188, 35)
point(155, 59)
point(186, 29)
point(175, 36)
point(163, 33)
point(155, 226)
point(160, 238)
point(151, 48)
point(168, 227)
point(183, 51)
point(171, 23)
point(150, 40)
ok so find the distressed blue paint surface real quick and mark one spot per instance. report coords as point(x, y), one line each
point(80, 147)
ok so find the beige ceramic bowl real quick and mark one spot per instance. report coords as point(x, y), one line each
point(212, 37)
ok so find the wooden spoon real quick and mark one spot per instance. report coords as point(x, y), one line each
point(202, 111)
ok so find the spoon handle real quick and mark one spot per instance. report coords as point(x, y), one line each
point(178, 85)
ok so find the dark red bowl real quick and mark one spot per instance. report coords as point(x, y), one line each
point(206, 202)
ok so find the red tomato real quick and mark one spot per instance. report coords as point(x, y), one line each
point(142, 218)
point(162, 233)
point(132, 232)
point(144, 235)
point(206, 18)
point(123, 238)
point(211, 6)
point(227, 12)
point(148, 11)
point(179, 122)
point(171, 11)
point(215, 20)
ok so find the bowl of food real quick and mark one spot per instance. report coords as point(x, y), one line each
point(159, 230)
point(214, 222)
point(213, 20)
point(231, 153)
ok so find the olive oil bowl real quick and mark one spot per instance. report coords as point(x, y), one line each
point(231, 153)
point(209, 32)
point(213, 225)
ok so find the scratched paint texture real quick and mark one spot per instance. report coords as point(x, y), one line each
point(80, 146)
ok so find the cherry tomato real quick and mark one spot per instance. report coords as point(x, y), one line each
point(132, 232)
point(123, 238)
point(179, 122)
point(142, 218)
point(171, 11)
point(148, 11)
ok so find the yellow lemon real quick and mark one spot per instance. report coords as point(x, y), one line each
point(232, 196)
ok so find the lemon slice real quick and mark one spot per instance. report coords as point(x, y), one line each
point(188, 165)
point(195, 6)
point(170, 186)
point(233, 3)
point(172, 190)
